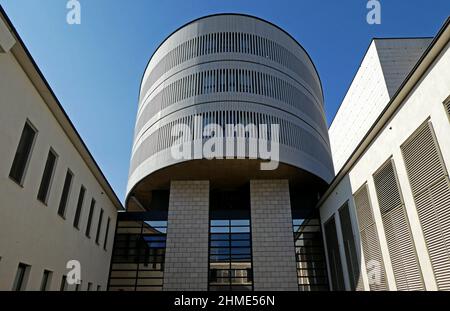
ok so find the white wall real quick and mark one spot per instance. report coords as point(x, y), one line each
point(31, 232)
point(425, 101)
point(383, 69)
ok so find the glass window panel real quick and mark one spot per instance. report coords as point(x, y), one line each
point(215, 223)
point(240, 222)
point(240, 243)
point(220, 229)
point(220, 236)
point(240, 229)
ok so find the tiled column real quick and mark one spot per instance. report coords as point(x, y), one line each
point(186, 265)
point(274, 265)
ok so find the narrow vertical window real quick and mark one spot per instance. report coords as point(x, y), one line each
point(63, 286)
point(76, 220)
point(47, 177)
point(21, 276)
point(105, 242)
point(89, 222)
point(46, 278)
point(65, 194)
point(23, 153)
point(99, 227)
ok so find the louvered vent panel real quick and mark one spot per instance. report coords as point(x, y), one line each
point(447, 108)
point(422, 159)
point(387, 188)
point(407, 272)
point(432, 197)
point(372, 253)
point(369, 239)
point(363, 209)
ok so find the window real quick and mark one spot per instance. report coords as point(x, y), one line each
point(47, 177)
point(89, 287)
point(334, 257)
point(46, 278)
point(349, 246)
point(65, 194)
point(105, 242)
point(230, 266)
point(23, 153)
point(63, 286)
point(309, 254)
point(21, 277)
point(76, 220)
point(99, 227)
point(89, 223)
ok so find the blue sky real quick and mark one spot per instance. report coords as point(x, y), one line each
point(95, 68)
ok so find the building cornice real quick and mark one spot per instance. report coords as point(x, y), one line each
point(26, 61)
point(408, 85)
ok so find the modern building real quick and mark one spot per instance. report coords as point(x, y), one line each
point(386, 215)
point(226, 222)
point(55, 204)
point(235, 181)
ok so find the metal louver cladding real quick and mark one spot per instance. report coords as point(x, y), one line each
point(447, 108)
point(431, 190)
point(370, 242)
point(405, 263)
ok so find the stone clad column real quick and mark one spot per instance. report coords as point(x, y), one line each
point(186, 264)
point(274, 265)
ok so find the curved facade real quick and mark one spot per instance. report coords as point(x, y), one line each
point(230, 69)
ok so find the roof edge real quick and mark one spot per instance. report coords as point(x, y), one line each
point(441, 39)
point(33, 72)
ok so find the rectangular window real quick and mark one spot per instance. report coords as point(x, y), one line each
point(76, 220)
point(47, 177)
point(334, 257)
point(21, 277)
point(65, 194)
point(105, 242)
point(349, 245)
point(99, 227)
point(63, 286)
point(89, 223)
point(46, 278)
point(23, 153)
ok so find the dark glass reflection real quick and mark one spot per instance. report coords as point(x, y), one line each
point(230, 253)
point(311, 266)
point(139, 252)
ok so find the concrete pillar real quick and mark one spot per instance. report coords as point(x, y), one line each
point(274, 265)
point(186, 264)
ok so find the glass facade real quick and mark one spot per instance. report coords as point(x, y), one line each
point(309, 255)
point(230, 247)
point(139, 252)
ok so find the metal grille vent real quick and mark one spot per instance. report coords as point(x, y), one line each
point(369, 239)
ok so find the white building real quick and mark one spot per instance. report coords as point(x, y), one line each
point(391, 197)
point(55, 203)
